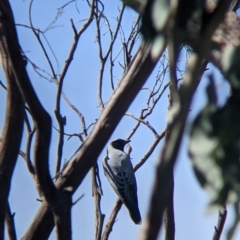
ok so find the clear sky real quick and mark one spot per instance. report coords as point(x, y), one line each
point(193, 221)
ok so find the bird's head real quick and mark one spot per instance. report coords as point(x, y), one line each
point(119, 143)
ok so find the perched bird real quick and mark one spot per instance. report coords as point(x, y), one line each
point(118, 169)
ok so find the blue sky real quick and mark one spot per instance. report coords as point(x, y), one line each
point(192, 219)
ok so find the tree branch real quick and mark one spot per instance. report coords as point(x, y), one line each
point(221, 221)
point(99, 15)
point(59, 202)
point(59, 117)
point(13, 127)
point(10, 224)
point(150, 151)
point(112, 219)
point(146, 123)
point(97, 192)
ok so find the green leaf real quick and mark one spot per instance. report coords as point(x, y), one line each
point(160, 14)
point(155, 17)
point(163, 16)
point(214, 148)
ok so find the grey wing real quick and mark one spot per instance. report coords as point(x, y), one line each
point(111, 173)
point(129, 184)
point(121, 178)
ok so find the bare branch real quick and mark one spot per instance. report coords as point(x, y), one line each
point(13, 126)
point(28, 150)
point(78, 199)
point(36, 33)
point(99, 15)
point(60, 204)
point(41, 118)
point(221, 221)
point(174, 101)
point(165, 166)
point(146, 123)
point(128, 50)
point(60, 83)
point(149, 109)
point(10, 224)
point(60, 119)
point(96, 190)
point(150, 151)
point(80, 115)
point(73, 27)
point(112, 219)
point(114, 36)
point(3, 85)
point(60, 9)
point(23, 155)
point(168, 217)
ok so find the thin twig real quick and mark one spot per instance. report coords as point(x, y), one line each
point(59, 117)
point(112, 219)
point(221, 221)
point(36, 33)
point(3, 85)
point(80, 115)
point(150, 150)
point(146, 123)
point(28, 151)
point(103, 58)
point(78, 199)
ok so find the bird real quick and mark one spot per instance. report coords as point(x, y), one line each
point(119, 171)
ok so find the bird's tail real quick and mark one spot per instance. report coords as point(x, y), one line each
point(135, 215)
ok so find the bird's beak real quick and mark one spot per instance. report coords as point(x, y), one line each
point(127, 141)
